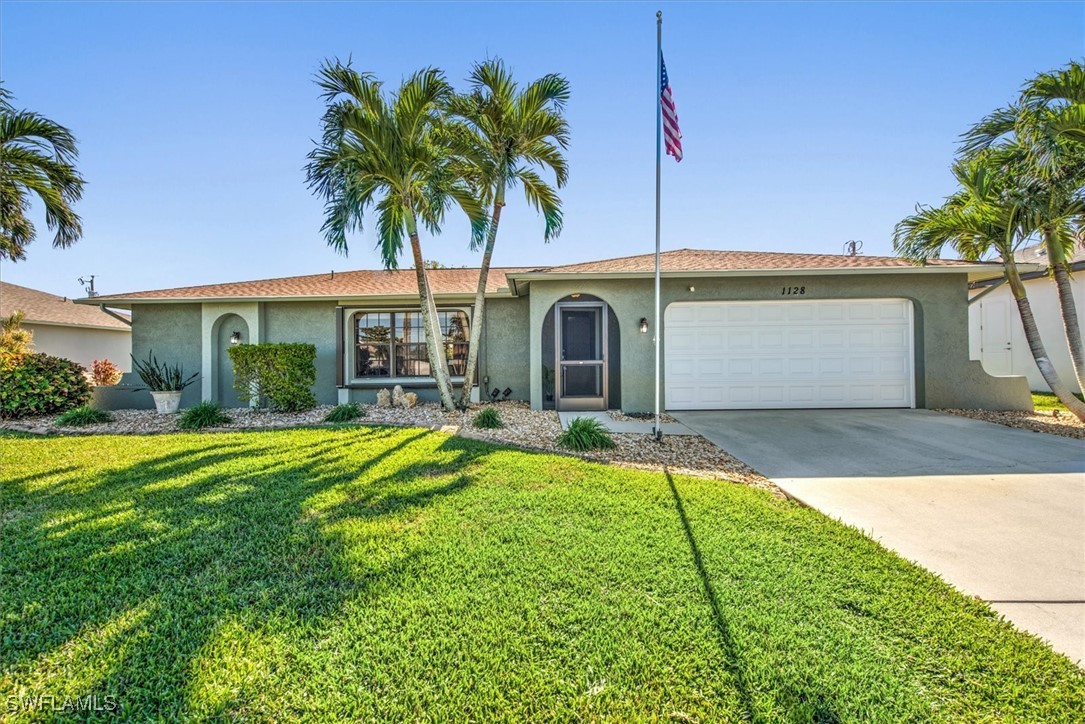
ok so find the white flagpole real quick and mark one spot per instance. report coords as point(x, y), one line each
point(659, 135)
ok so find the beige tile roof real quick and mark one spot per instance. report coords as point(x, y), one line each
point(401, 282)
point(698, 260)
point(1038, 255)
point(46, 308)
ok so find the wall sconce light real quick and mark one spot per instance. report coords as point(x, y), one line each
point(692, 288)
point(575, 296)
point(235, 338)
point(643, 325)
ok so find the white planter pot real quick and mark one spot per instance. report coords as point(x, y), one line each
point(166, 403)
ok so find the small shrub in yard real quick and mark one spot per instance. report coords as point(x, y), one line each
point(281, 373)
point(40, 384)
point(488, 419)
point(105, 373)
point(344, 413)
point(205, 414)
point(85, 415)
point(584, 433)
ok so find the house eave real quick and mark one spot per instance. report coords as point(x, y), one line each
point(353, 300)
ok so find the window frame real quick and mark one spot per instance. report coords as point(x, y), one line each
point(350, 333)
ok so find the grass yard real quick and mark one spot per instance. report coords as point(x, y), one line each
point(1047, 401)
point(384, 573)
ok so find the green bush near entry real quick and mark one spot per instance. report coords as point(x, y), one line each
point(344, 413)
point(205, 414)
point(281, 374)
point(584, 433)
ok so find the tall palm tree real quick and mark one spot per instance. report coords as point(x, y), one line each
point(1036, 142)
point(506, 134)
point(391, 156)
point(981, 217)
point(37, 158)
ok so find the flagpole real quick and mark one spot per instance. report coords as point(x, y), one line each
point(659, 135)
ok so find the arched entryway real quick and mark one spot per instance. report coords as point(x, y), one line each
point(581, 355)
point(230, 329)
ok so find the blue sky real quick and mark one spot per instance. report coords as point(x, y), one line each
point(805, 124)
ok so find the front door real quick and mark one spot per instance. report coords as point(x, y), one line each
point(582, 355)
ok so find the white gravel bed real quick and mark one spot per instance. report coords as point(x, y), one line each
point(523, 427)
point(1065, 425)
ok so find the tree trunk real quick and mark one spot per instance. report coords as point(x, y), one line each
point(430, 322)
point(1036, 345)
point(1057, 260)
point(480, 299)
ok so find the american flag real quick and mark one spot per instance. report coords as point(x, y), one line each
point(672, 135)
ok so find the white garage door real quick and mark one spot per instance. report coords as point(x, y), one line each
point(788, 354)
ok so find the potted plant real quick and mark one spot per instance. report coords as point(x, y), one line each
point(165, 383)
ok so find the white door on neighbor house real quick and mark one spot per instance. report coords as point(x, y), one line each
point(789, 354)
point(996, 336)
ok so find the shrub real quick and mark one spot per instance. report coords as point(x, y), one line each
point(14, 339)
point(205, 414)
point(489, 418)
point(105, 373)
point(344, 413)
point(85, 415)
point(585, 433)
point(161, 377)
point(39, 384)
point(279, 373)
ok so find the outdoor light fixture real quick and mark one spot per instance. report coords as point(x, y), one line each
point(494, 394)
point(692, 288)
point(507, 391)
point(235, 338)
point(575, 296)
point(643, 325)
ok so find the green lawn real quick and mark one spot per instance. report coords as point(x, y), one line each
point(1047, 401)
point(402, 574)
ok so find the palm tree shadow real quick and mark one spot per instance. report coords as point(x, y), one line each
point(200, 536)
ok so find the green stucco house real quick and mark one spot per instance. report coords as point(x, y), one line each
point(740, 330)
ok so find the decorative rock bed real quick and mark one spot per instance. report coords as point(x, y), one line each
point(1065, 424)
point(523, 427)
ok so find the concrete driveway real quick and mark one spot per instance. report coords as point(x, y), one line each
point(997, 512)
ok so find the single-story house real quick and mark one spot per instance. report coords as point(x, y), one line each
point(996, 336)
point(65, 329)
point(739, 330)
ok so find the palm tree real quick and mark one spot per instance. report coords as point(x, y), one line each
point(506, 134)
point(1036, 142)
point(981, 217)
point(37, 158)
point(391, 156)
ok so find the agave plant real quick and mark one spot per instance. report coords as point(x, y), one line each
point(161, 377)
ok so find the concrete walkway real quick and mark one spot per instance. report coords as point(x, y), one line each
point(997, 512)
point(636, 427)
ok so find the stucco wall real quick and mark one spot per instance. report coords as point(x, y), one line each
point(172, 332)
point(312, 323)
point(504, 357)
point(83, 345)
point(945, 377)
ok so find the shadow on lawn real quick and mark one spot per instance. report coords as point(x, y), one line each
point(818, 708)
point(236, 530)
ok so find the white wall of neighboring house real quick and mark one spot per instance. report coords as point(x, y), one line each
point(997, 339)
point(84, 344)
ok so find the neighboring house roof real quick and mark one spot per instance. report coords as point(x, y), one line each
point(1038, 255)
point(43, 308)
point(335, 285)
point(462, 282)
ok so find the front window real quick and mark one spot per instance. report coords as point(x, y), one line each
point(393, 344)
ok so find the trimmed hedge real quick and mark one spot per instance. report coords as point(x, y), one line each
point(39, 384)
point(279, 373)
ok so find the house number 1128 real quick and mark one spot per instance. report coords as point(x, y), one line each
point(792, 291)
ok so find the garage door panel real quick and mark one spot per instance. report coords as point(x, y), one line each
point(791, 354)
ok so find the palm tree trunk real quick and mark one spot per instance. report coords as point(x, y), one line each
point(1036, 345)
point(480, 299)
point(1057, 259)
point(434, 338)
